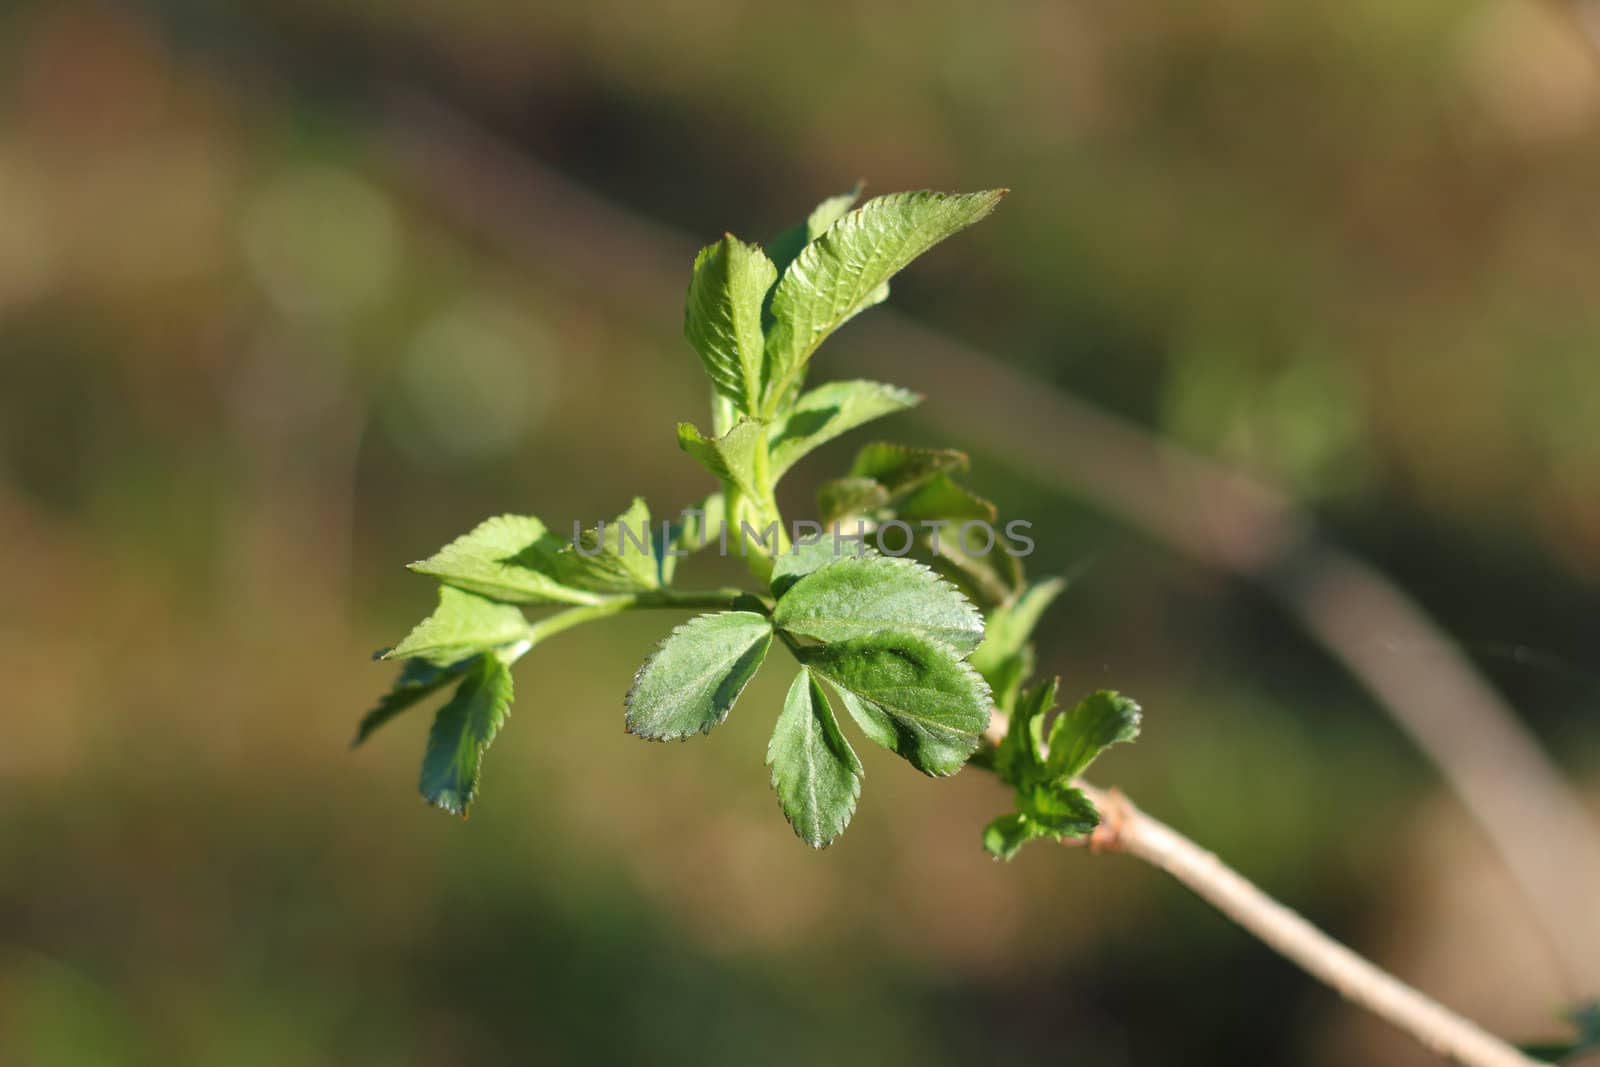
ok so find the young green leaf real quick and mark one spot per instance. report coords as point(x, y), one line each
point(915, 697)
point(805, 556)
point(843, 271)
point(614, 557)
point(942, 499)
point(814, 770)
point(1005, 835)
point(1018, 759)
point(463, 625)
point(510, 557)
point(722, 317)
point(902, 469)
point(692, 680)
point(1005, 657)
point(829, 410)
point(730, 457)
point(461, 734)
point(993, 577)
point(849, 498)
point(852, 597)
point(1059, 809)
point(788, 244)
point(418, 679)
point(1100, 720)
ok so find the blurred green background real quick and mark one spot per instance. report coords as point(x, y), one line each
point(255, 356)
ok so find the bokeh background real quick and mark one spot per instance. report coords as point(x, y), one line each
point(271, 325)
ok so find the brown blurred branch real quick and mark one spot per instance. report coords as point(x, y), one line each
point(1129, 830)
point(1197, 507)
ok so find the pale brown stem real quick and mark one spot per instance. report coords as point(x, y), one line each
point(1129, 830)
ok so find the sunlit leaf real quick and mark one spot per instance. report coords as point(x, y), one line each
point(844, 271)
point(463, 625)
point(614, 557)
point(786, 246)
point(730, 457)
point(722, 317)
point(852, 597)
point(913, 696)
point(827, 411)
point(509, 557)
point(814, 770)
point(694, 677)
point(1100, 720)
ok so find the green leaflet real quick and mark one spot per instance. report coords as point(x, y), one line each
point(1100, 720)
point(844, 270)
point(510, 557)
point(788, 244)
point(849, 498)
point(901, 469)
point(614, 557)
point(1049, 811)
point(885, 474)
point(730, 457)
point(915, 697)
point(463, 625)
point(1005, 835)
point(1006, 657)
point(941, 499)
point(1048, 802)
point(722, 317)
point(461, 733)
point(418, 679)
point(693, 679)
point(815, 772)
point(829, 410)
point(802, 558)
point(1019, 756)
point(850, 597)
point(1060, 810)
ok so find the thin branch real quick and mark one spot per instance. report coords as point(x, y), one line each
point(1129, 830)
point(1197, 507)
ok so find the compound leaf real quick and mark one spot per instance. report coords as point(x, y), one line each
point(815, 772)
point(461, 734)
point(694, 677)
